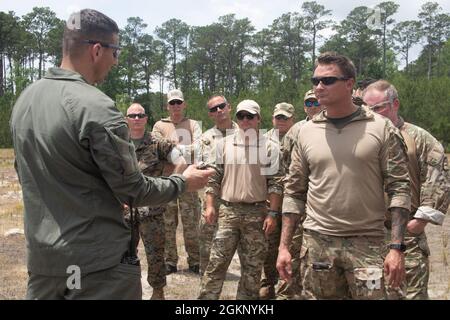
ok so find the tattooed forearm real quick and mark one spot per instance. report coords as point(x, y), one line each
point(400, 219)
point(289, 224)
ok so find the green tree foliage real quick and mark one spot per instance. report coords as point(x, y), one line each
point(313, 14)
point(230, 57)
point(387, 9)
point(405, 35)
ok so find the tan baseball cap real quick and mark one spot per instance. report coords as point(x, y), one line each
point(310, 95)
point(250, 106)
point(285, 109)
point(175, 95)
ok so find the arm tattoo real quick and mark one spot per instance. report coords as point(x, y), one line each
point(400, 217)
point(289, 224)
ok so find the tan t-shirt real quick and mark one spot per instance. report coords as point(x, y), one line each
point(187, 132)
point(246, 172)
point(340, 174)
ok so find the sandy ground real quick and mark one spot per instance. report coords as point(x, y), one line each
point(181, 285)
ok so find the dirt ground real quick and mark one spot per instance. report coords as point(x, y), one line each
point(181, 285)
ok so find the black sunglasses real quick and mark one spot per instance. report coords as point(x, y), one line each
point(326, 80)
point(241, 116)
point(219, 106)
point(174, 102)
point(281, 117)
point(136, 115)
point(116, 48)
point(310, 103)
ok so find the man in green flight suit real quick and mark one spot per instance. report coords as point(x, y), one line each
point(77, 168)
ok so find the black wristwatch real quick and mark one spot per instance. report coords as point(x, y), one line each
point(398, 246)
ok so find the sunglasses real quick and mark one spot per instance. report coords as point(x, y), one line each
point(136, 115)
point(174, 102)
point(219, 106)
point(281, 117)
point(116, 48)
point(241, 116)
point(326, 80)
point(311, 103)
point(379, 106)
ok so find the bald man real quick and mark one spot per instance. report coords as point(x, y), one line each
point(152, 154)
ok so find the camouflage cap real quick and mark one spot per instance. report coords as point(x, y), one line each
point(175, 95)
point(250, 106)
point(310, 95)
point(285, 109)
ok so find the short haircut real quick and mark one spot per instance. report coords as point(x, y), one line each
point(389, 90)
point(216, 96)
point(345, 64)
point(87, 24)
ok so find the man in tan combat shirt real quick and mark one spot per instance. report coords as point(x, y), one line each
point(341, 161)
point(185, 132)
point(247, 173)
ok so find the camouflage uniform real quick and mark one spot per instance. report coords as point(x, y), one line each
point(188, 204)
point(342, 267)
point(342, 257)
point(240, 226)
point(428, 169)
point(152, 154)
point(292, 289)
point(206, 231)
point(270, 273)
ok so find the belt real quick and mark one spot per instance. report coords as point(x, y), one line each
point(250, 204)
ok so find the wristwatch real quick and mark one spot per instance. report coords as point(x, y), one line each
point(273, 213)
point(398, 246)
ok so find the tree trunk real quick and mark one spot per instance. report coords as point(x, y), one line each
point(384, 51)
point(429, 62)
point(2, 91)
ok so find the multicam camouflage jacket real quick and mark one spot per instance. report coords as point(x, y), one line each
point(152, 153)
point(429, 174)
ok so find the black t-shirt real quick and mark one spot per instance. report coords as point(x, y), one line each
point(342, 122)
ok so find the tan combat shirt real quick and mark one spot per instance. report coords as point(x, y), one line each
point(337, 175)
point(245, 172)
point(185, 133)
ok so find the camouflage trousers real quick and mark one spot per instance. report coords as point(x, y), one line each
point(239, 228)
point(206, 236)
point(188, 204)
point(417, 267)
point(151, 230)
point(293, 290)
point(270, 272)
point(343, 267)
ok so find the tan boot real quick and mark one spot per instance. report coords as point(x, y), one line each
point(267, 293)
point(158, 294)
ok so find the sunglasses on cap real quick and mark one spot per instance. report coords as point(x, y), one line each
point(326, 80)
point(219, 106)
point(281, 117)
point(136, 115)
point(242, 115)
point(311, 103)
point(116, 48)
point(174, 102)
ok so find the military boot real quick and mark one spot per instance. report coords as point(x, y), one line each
point(158, 294)
point(267, 293)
